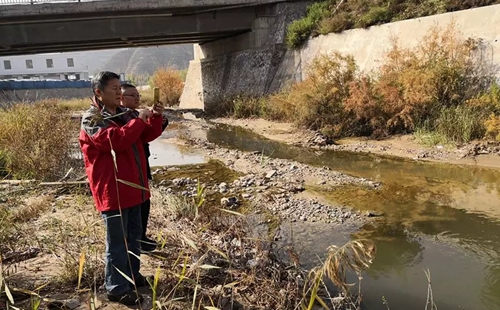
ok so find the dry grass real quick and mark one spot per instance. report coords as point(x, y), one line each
point(36, 140)
point(356, 256)
point(171, 84)
point(31, 209)
point(82, 104)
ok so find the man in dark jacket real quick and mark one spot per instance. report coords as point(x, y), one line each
point(112, 139)
point(131, 100)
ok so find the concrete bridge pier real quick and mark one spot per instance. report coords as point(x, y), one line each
point(253, 63)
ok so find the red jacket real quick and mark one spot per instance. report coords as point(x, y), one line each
point(125, 134)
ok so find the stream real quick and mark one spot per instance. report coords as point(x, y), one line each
point(440, 217)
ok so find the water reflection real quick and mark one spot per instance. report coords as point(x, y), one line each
point(396, 248)
point(453, 209)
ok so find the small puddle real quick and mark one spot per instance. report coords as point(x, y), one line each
point(445, 218)
point(165, 153)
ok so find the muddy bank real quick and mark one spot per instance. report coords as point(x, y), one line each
point(481, 153)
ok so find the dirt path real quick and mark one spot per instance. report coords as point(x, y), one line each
point(485, 154)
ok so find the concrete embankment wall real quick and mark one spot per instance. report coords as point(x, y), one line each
point(246, 64)
point(258, 63)
point(368, 46)
point(30, 95)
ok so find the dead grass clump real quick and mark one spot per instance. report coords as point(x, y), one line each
point(74, 104)
point(170, 83)
point(356, 256)
point(31, 208)
point(36, 140)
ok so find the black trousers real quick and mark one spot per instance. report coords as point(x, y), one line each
point(145, 208)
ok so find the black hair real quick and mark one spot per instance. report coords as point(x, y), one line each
point(127, 86)
point(101, 79)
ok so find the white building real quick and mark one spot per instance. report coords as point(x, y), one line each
point(60, 66)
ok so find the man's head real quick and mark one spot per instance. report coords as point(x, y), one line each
point(130, 96)
point(106, 87)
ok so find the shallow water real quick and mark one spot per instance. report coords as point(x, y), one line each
point(164, 153)
point(445, 218)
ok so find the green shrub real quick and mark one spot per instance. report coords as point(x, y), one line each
point(247, 106)
point(375, 15)
point(336, 23)
point(460, 124)
point(299, 30)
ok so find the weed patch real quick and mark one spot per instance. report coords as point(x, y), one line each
point(338, 15)
point(74, 104)
point(36, 141)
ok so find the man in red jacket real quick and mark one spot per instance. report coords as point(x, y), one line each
point(112, 140)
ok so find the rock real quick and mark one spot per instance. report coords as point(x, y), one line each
point(157, 171)
point(179, 182)
point(246, 195)
point(236, 242)
point(271, 174)
point(223, 187)
point(253, 263)
point(322, 182)
point(372, 214)
point(303, 218)
point(293, 167)
point(229, 202)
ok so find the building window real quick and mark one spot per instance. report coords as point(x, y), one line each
point(7, 65)
point(50, 63)
point(29, 64)
point(71, 63)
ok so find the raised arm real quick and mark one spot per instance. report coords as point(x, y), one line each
point(101, 132)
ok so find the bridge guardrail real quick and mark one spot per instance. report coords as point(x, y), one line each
point(7, 2)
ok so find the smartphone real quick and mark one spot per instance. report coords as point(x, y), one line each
point(156, 95)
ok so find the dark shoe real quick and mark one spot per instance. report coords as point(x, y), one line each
point(141, 281)
point(129, 298)
point(148, 245)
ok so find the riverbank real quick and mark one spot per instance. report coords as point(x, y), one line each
point(224, 216)
point(479, 153)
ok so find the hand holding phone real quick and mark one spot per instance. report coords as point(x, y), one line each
point(156, 95)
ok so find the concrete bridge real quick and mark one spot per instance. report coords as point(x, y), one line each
point(240, 43)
